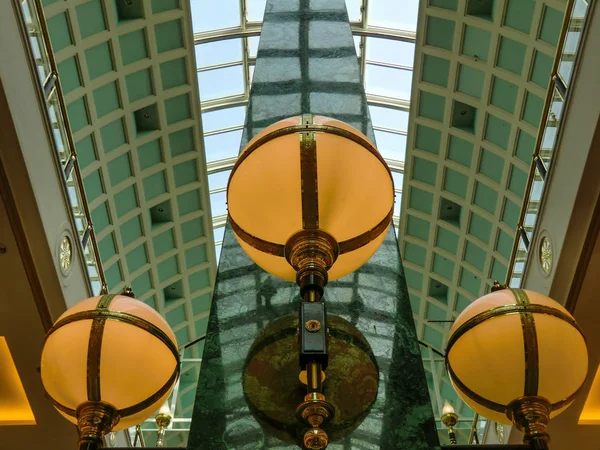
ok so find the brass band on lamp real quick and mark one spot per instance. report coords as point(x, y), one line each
point(310, 199)
point(90, 365)
point(450, 419)
point(543, 366)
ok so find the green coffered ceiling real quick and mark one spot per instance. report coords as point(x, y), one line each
point(480, 76)
point(127, 71)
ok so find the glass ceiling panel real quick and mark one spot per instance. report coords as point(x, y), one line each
point(389, 118)
point(219, 52)
point(218, 180)
point(222, 145)
point(388, 82)
point(255, 10)
point(354, 8)
point(391, 145)
point(218, 233)
point(390, 51)
point(211, 15)
point(224, 82)
point(253, 46)
point(218, 203)
point(223, 118)
point(396, 14)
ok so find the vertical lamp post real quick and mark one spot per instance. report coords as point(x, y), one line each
point(310, 199)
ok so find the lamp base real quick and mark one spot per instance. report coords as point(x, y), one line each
point(94, 420)
point(531, 415)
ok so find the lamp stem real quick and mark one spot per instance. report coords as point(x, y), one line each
point(94, 420)
point(452, 435)
point(162, 420)
point(531, 415)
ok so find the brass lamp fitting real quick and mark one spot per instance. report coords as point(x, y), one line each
point(315, 410)
point(94, 420)
point(450, 419)
point(531, 415)
point(162, 420)
point(311, 253)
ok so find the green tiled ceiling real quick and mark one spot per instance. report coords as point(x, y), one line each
point(428, 139)
point(100, 217)
point(485, 197)
point(159, 6)
point(443, 266)
point(69, 75)
point(460, 151)
point(173, 73)
point(417, 227)
point(139, 85)
point(155, 185)
point(133, 46)
point(99, 60)
point(480, 228)
point(113, 135)
point(511, 55)
point(131, 231)
point(150, 154)
point(470, 81)
point(497, 131)
point(195, 256)
point(524, 147)
point(424, 171)
point(446, 4)
point(504, 94)
point(510, 213)
point(491, 165)
point(163, 242)
point(114, 276)
point(119, 169)
point(106, 99)
point(192, 229)
point(532, 110)
point(519, 15)
point(93, 186)
point(551, 25)
point(542, 67)
point(435, 70)
point(78, 114)
point(518, 181)
point(189, 202)
point(169, 35)
point(414, 253)
point(431, 106)
point(447, 240)
point(182, 142)
point(439, 32)
point(474, 255)
point(476, 43)
point(483, 9)
point(60, 32)
point(178, 108)
point(455, 182)
point(90, 18)
point(86, 151)
point(420, 200)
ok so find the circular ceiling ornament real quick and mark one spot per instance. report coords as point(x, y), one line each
point(65, 254)
point(545, 254)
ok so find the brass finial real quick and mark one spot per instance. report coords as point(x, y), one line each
point(128, 292)
point(498, 287)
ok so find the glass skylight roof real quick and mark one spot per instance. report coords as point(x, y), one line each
point(226, 46)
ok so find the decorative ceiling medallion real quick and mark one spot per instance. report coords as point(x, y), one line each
point(500, 432)
point(545, 255)
point(65, 254)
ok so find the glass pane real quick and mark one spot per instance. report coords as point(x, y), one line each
point(218, 52)
point(36, 41)
point(357, 40)
point(255, 10)
point(58, 127)
point(533, 205)
point(390, 51)
point(394, 119)
point(401, 15)
point(208, 16)
point(551, 128)
point(218, 180)
point(354, 10)
point(565, 69)
point(76, 204)
point(223, 82)
point(391, 145)
point(253, 46)
point(223, 118)
point(388, 82)
point(580, 9)
point(218, 234)
point(222, 145)
point(218, 204)
point(92, 269)
point(398, 180)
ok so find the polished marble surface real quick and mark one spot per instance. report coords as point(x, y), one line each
point(307, 64)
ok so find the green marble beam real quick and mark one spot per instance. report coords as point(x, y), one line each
point(306, 63)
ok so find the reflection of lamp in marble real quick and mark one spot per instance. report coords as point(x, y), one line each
point(91, 362)
point(449, 418)
point(310, 199)
point(531, 360)
point(163, 419)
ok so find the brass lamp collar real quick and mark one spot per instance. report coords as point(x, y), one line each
point(449, 419)
point(531, 415)
point(94, 420)
point(311, 253)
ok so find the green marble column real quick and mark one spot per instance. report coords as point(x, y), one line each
point(307, 64)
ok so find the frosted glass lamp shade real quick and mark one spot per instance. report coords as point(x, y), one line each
point(113, 349)
point(354, 191)
point(514, 343)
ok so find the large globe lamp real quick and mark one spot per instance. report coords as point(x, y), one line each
point(108, 363)
point(517, 357)
point(310, 200)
